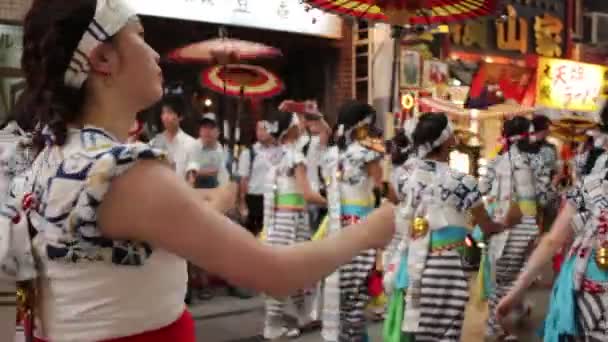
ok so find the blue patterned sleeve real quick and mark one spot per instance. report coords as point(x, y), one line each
point(97, 170)
point(16, 257)
point(486, 180)
point(369, 156)
point(542, 175)
point(575, 196)
point(468, 194)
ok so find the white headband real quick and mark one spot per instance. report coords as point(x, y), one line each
point(600, 139)
point(110, 17)
point(270, 127)
point(427, 148)
point(295, 122)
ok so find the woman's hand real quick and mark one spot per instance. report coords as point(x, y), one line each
point(381, 234)
point(221, 199)
point(514, 215)
point(505, 307)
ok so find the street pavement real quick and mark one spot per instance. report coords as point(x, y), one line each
point(226, 319)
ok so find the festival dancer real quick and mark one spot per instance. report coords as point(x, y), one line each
point(108, 264)
point(352, 169)
point(427, 282)
point(16, 155)
point(522, 180)
point(285, 214)
point(577, 310)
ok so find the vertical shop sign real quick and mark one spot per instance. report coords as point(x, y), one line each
point(548, 35)
point(512, 34)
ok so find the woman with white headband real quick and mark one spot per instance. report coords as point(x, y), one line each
point(517, 179)
point(427, 281)
point(352, 171)
point(578, 304)
point(285, 214)
point(104, 226)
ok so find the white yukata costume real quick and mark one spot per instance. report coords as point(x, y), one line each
point(427, 280)
point(74, 266)
point(351, 198)
point(286, 222)
point(579, 301)
point(523, 179)
point(16, 157)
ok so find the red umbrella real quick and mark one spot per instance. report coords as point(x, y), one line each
point(404, 12)
point(242, 80)
point(223, 51)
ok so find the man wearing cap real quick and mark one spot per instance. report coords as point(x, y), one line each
point(206, 162)
point(173, 140)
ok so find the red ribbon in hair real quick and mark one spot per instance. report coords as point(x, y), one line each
point(137, 130)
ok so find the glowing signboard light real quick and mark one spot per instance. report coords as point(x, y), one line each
point(569, 85)
point(408, 101)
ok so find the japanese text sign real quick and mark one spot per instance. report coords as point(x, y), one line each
point(569, 85)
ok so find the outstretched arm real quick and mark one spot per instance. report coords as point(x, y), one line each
point(169, 215)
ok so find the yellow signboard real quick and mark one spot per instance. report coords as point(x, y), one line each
point(565, 84)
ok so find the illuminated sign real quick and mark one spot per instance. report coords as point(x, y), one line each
point(408, 101)
point(278, 15)
point(542, 34)
point(565, 84)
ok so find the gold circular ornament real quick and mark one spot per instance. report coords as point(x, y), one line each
point(420, 227)
point(601, 257)
point(21, 297)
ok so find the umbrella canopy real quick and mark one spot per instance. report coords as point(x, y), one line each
point(572, 128)
point(496, 111)
point(409, 12)
point(242, 81)
point(223, 51)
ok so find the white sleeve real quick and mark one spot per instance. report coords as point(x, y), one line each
point(191, 163)
point(245, 163)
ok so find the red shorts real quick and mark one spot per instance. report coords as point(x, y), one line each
point(181, 330)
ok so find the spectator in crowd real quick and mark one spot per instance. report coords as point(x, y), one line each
point(312, 143)
point(173, 139)
point(254, 164)
point(206, 160)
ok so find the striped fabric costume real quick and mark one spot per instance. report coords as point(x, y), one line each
point(514, 178)
point(286, 221)
point(351, 198)
point(427, 281)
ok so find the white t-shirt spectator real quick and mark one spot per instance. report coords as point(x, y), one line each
point(177, 149)
point(201, 157)
point(258, 173)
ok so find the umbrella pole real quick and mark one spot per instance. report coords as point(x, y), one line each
point(227, 149)
point(389, 120)
point(237, 132)
point(396, 35)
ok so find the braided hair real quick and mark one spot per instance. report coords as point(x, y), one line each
point(52, 31)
